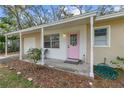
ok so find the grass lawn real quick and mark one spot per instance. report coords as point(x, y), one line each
point(9, 79)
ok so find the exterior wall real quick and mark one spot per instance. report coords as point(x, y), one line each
point(116, 42)
point(61, 53)
point(88, 44)
point(36, 35)
point(116, 48)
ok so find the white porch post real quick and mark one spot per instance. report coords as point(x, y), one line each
point(20, 56)
point(91, 47)
point(42, 46)
point(6, 45)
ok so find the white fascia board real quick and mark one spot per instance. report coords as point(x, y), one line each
point(78, 17)
point(23, 30)
point(113, 15)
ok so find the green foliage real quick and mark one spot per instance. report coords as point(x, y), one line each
point(7, 23)
point(118, 62)
point(120, 58)
point(34, 54)
point(2, 43)
point(13, 47)
point(2, 38)
point(2, 47)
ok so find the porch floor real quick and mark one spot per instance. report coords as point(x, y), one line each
point(82, 69)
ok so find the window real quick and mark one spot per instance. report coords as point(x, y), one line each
point(102, 36)
point(73, 39)
point(47, 41)
point(51, 41)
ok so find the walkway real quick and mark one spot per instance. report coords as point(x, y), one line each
point(9, 58)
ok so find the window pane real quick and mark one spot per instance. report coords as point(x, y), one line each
point(100, 37)
point(55, 37)
point(101, 32)
point(46, 44)
point(47, 38)
point(100, 43)
point(55, 40)
point(73, 39)
point(55, 44)
point(51, 41)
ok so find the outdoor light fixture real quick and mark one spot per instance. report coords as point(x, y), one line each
point(64, 35)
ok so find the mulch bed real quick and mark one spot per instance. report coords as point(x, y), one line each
point(51, 78)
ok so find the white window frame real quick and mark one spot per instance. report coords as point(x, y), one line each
point(108, 35)
point(51, 40)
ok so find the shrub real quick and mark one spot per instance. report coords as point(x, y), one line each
point(34, 54)
point(118, 62)
point(2, 47)
point(2, 43)
point(2, 38)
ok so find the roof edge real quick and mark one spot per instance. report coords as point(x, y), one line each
point(108, 16)
point(85, 15)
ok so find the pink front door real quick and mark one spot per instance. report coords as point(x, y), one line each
point(73, 45)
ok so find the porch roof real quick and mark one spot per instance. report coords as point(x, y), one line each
point(75, 18)
point(72, 19)
point(110, 16)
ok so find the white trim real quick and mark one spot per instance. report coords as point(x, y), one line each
point(91, 46)
point(74, 18)
point(78, 17)
point(108, 33)
point(20, 56)
point(86, 46)
point(42, 46)
point(6, 44)
point(108, 16)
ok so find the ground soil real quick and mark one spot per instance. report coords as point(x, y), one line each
point(51, 78)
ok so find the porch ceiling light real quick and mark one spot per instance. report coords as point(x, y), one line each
point(64, 35)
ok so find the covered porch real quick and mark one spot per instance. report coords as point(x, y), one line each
point(57, 56)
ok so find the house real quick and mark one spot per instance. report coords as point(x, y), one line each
point(93, 39)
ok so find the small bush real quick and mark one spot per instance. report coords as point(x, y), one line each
point(34, 54)
point(118, 62)
point(2, 47)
